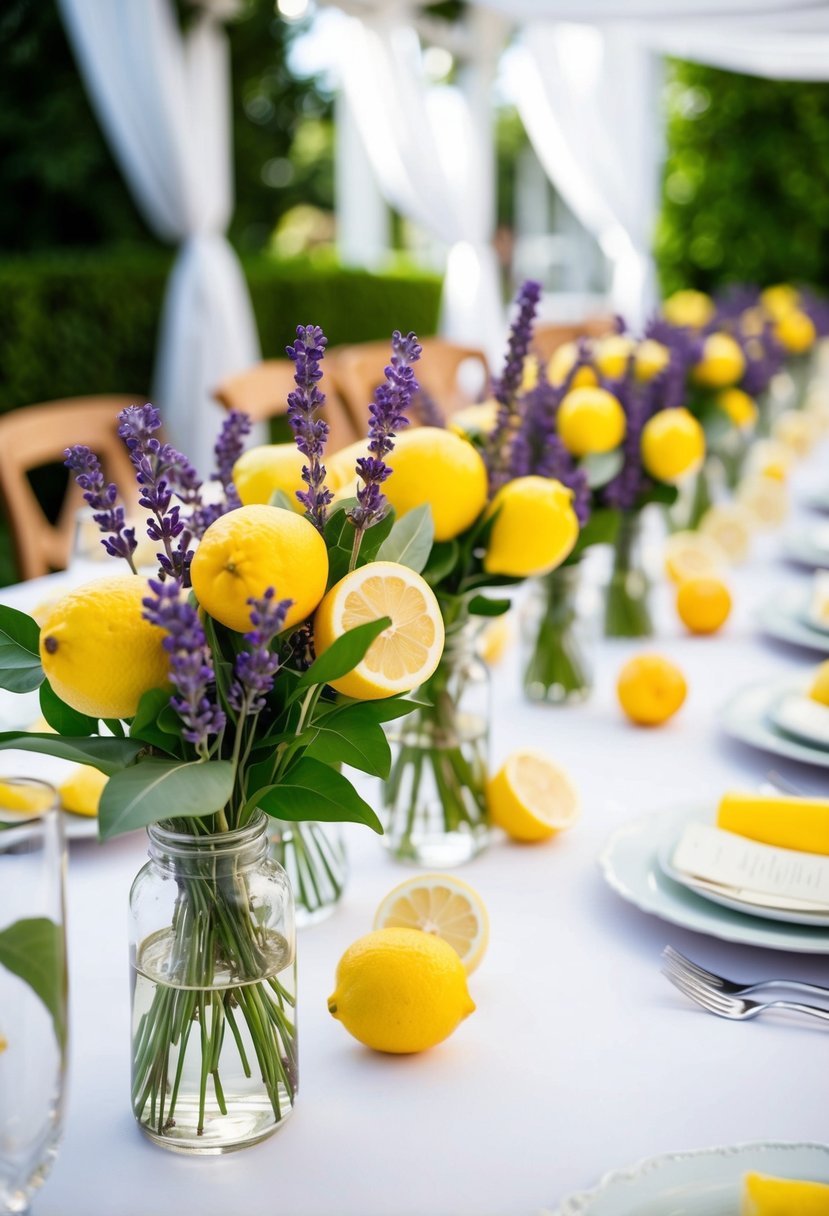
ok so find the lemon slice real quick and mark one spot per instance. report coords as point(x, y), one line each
point(82, 789)
point(693, 555)
point(495, 639)
point(406, 653)
point(730, 525)
point(442, 905)
point(767, 1196)
point(766, 499)
point(531, 798)
point(25, 797)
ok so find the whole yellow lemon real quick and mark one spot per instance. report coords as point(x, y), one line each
point(651, 358)
point(341, 466)
point(739, 407)
point(81, 792)
point(535, 528)
point(650, 689)
point(475, 421)
point(561, 363)
point(703, 604)
point(248, 550)
point(673, 444)
point(795, 331)
point(400, 990)
point(613, 355)
point(779, 299)
point(590, 420)
point(260, 472)
point(722, 363)
point(688, 309)
point(434, 466)
point(98, 653)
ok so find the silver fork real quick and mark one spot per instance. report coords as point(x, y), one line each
point(676, 963)
point(737, 1008)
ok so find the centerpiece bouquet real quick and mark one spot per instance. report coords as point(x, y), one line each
point(229, 690)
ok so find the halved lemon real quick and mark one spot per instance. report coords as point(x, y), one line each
point(25, 797)
point(766, 500)
point(730, 525)
point(531, 798)
point(444, 906)
point(495, 639)
point(407, 652)
point(692, 555)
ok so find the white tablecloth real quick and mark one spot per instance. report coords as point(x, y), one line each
point(580, 1057)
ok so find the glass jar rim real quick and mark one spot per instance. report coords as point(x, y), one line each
point(170, 843)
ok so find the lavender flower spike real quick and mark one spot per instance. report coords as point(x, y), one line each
point(118, 540)
point(256, 667)
point(507, 386)
point(310, 431)
point(387, 415)
point(191, 669)
point(228, 449)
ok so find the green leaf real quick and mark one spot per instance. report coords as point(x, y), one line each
point(342, 655)
point(280, 499)
point(148, 723)
point(354, 736)
point(33, 949)
point(410, 540)
point(62, 717)
point(20, 669)
point(312, 790)
point(116, 726)
point(602, 467)
point(374, 538)
point(384, 710)
point(158, 788)
point(600, 529)
point(659, 492)
point(107, 755)
point(442, 561)
point(482, 605)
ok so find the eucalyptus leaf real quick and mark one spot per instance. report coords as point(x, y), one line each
point(312, 790)
point(602, 467)
point(342, 655)
point(352, 736)
point(374, 537)
point(160, 788)
point(280, 499)
point(20, 669)
point(482, 605)
point(108, 755)
point(442, 561)
point(148, 724)
point(410, 540)
point(33, 949)
point(62, 717)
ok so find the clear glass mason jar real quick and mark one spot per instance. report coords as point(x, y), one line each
point(627, 606)
point(314, 858)
point(557, 669)
point(435, 796)
point(213, 963)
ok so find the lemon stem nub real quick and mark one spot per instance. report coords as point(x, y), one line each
point(332, 1008)
point(51, 644)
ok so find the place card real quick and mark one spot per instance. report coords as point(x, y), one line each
point(722, 858)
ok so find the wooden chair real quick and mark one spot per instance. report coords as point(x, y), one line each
point(359, 369)
point(548, 338)
point(37, 435)
point(262, 392)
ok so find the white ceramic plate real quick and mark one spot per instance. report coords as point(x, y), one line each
point(786, 617)
point(809, 547)
point(702, 1183)
point(797, 715)
point(630, 865)
point(747, 717)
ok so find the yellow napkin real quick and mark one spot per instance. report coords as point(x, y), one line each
point(766, 1196)
point(777, 819)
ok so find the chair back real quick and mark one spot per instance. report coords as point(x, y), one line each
point(262, 392)
point(548, 338)
point(38, 435)
point(359, 369)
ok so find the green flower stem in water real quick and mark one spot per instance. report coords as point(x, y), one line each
point(627, 610)
point(557, 670)
point(313, 857)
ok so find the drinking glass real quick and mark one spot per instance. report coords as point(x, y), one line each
point(32, 987)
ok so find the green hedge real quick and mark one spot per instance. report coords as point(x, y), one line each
point(72, 323)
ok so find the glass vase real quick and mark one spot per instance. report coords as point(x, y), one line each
point(213, 955)
point(557, 670)
point(33, 987)
point(627, 605)
point(314, 858)
point(435, 796)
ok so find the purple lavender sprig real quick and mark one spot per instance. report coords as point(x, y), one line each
point(506, 387)
point(191, 665)
point(538, 451)
point(118, 540)
point(310, 431)
point(161, 472)
point(256, 666)
point(227, 450)
point(388, 414)
point(640, 402)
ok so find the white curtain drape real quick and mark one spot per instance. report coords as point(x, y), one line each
point(163, 101)
point(433, 164)
point(589, 99)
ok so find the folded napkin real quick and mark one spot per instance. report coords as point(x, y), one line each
point(777, 819)
point(766, 1196)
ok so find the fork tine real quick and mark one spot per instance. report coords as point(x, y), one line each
point(686, 964)
point(714, 1002)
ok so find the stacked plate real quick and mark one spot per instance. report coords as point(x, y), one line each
point(779, 717)
point(800, 615)
point(809, 546)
